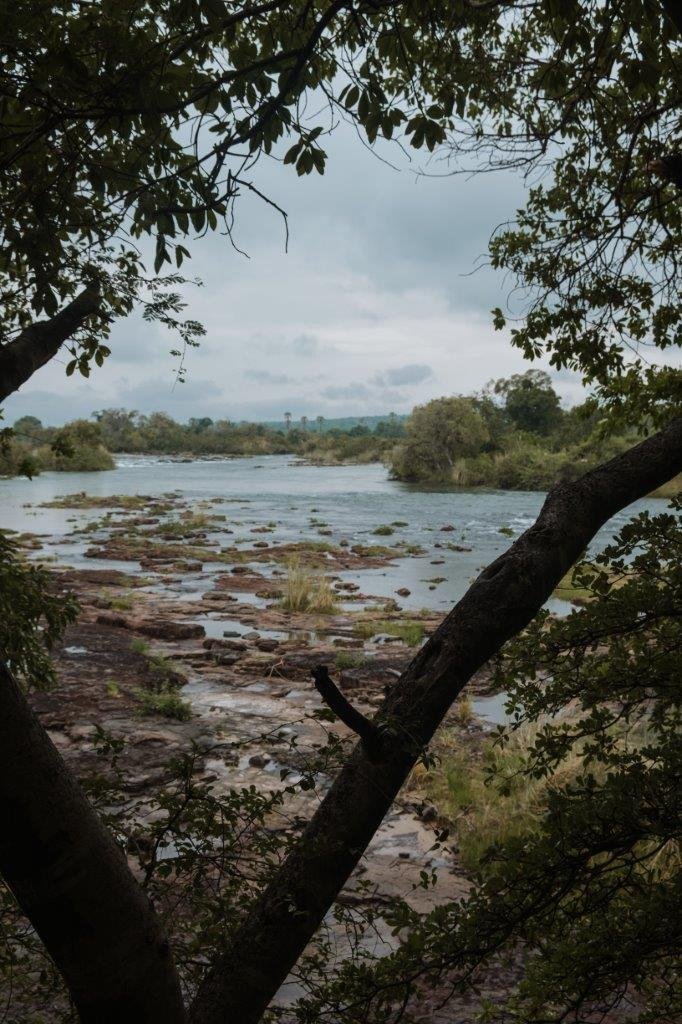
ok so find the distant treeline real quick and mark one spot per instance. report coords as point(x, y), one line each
point(87, 445)
point(513, 435)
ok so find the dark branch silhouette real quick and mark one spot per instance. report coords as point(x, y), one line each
point(370, 736)
point(38, 343)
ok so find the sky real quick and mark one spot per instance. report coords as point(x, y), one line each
point(375, 307)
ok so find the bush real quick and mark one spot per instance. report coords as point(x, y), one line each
point(167, 703)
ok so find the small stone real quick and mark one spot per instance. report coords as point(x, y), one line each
point(259, 760)
point(267, 644)
point(447, 529)
point(225, 658)
point(403, 591)
point(428, 813)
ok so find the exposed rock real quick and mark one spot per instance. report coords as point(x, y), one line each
point(403, 592)
point(167, 629)
point(159, 629)
point(267, 644)
point(447, 529)
point(259, 760)
point(225, 658)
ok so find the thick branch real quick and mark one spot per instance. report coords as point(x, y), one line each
point(350, 716)
point(674, 12)
point(73, 883)
point(37, 344)
point(503, 600)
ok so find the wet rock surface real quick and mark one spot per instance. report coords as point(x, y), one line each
point(244, 665)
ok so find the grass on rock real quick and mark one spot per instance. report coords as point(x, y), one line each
point(307, 592)
point(411, 631)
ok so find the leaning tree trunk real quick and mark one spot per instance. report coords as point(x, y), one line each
point(503, 600)
point(73, 883)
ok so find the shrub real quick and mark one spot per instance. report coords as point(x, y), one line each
point(167, 703)
point(350, 659)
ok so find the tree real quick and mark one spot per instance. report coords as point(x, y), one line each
point(392, 427)
point(531, 401)
point(287, 421)
point(118, 427)
point(319, 420)
point(28, 427)
point(102, 153)
point(439, 434)
point(504, 598)
point(200, 424)
point(304, 423)
point(117, 129)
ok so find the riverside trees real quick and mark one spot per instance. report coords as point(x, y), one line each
point(121, 120)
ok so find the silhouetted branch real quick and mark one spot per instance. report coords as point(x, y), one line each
point(350, 716)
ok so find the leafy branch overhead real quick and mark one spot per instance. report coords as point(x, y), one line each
point(121, 123)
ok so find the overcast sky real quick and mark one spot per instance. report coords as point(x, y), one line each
point(373, 309)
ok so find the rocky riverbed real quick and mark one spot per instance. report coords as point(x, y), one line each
point(170, 607)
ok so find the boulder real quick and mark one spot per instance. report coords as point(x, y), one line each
point(167, 629)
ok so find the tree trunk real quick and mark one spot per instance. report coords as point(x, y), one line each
point(38, 343)
point(503, 600)
point(73, 883)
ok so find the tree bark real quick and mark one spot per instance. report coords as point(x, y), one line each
point(503, 600)
point(73, 883)
point(37, 344)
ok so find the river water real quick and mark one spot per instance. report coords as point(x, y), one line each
point(298, 501)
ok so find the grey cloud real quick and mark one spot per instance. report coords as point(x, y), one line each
point(266, 377)
point(305, 345)
point(152, 393)
point(411, 373)
point(354, 390)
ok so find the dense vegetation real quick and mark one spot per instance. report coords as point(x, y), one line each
point(76, 447)
point(513, 436)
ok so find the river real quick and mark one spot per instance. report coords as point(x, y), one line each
point(299, 501)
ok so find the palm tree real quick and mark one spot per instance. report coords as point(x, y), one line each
point(319, 420)
point(287, 420)
point(304, 422)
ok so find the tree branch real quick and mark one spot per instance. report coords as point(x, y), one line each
point(674, 12)
point(73, 883)
point(350, 716)
point(502, 601)
point(37, 344)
